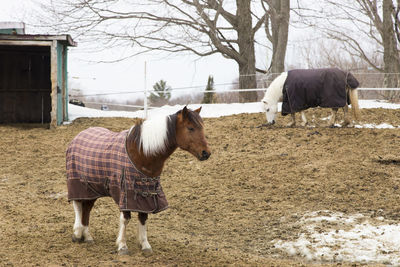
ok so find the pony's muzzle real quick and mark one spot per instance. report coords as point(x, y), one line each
point(272, 122)
point(205, 155)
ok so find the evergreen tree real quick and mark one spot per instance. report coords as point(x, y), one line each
point(161, 94)
point(209, 96)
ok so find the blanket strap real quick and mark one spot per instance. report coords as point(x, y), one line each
point(290, 105)
point(147, 186)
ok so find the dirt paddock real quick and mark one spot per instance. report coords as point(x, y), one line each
point(228, 210)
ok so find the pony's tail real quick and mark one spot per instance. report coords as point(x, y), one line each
point(354, 103)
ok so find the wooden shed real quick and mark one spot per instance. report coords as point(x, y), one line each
point(33, 78)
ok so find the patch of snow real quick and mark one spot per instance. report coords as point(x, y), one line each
point(379, 126)
point(58, 195)
point(326, 118)
point(377, 104)
point(352, 241)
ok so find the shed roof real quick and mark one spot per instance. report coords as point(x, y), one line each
point(12, 27)
point(65, 38)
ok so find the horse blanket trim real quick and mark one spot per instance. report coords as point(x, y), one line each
point(98, 165)
point(307, 88)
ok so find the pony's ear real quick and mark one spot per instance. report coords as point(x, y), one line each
point(198, 110)
point(185, 112)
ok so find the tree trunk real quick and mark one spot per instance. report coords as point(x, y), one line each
point(280, 32)
point(247, 65)
point(390, 55)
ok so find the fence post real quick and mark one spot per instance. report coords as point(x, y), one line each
point(145, 90)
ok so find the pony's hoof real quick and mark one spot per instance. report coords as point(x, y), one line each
point(123, 251)
point(77, 240)
point(91, 241)
point(147, 252)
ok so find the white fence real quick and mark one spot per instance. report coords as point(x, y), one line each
point(146, 94)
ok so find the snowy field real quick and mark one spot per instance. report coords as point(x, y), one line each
point(214, 110)
point(352, 238)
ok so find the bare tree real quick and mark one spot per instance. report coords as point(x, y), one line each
point(277, 31)
point(389, 42)
point(396, 16)
point(201, 27)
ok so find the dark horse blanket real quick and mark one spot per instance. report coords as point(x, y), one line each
point(98, 165)
point(306, 88)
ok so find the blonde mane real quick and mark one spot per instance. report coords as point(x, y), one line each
point(274, 91)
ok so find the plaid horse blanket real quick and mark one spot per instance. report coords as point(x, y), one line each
point(307, 88)
point(98, 166)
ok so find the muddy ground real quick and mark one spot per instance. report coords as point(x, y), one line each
point(224, 211)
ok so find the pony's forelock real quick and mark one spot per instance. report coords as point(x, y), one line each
point(194, 118)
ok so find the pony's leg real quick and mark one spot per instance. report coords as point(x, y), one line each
point(303, 118)
point(293, 122)
point(124, 218)
point(347, 121)
point(78, 227)
point(142, 234)
point(332, 120)
point(87, 206)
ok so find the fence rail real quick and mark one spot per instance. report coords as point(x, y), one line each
point(378, 89)
point(145, 106)
point(116, 104)
point(219, 91)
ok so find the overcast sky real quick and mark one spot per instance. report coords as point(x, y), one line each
point(129, 75)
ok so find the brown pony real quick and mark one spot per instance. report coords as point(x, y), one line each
point(127, 166)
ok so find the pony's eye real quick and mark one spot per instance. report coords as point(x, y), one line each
point(191, 129)
point(267, 109)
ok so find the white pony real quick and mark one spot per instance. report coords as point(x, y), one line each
point(274, 94)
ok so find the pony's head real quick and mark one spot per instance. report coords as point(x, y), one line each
point(272, 96)
point(190, 133)
point(270, 109)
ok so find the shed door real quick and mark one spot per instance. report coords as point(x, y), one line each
point(25, 85)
